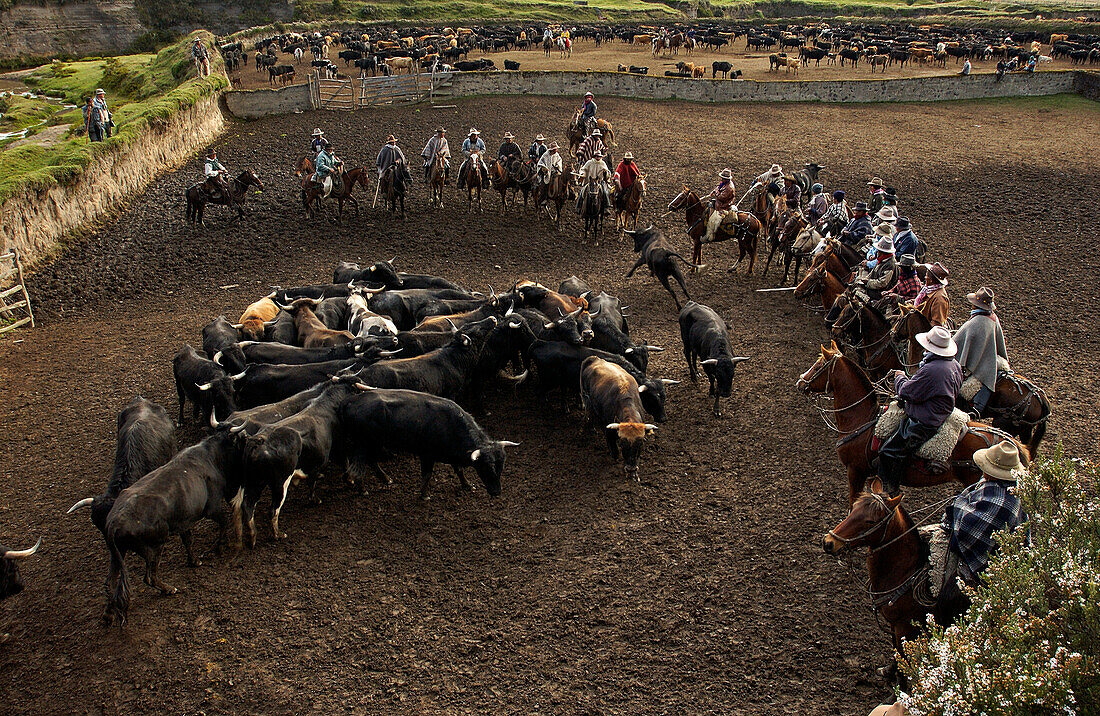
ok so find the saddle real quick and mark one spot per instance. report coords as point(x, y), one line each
point(938, 449)
point(938, 540)
point(972, 385)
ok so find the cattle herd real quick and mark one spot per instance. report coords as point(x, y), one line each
point(386, 50)
point(334, 379)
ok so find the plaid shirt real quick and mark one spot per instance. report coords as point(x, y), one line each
point(907, 287)
point(980, 510)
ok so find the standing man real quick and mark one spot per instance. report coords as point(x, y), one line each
point(472, 146)
point(437, 145)
point(99, 118)
point(317, 143)
point(201, 57)
point(389, 155)
point(537, 148)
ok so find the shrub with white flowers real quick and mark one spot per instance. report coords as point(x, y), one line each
point(1030, 642)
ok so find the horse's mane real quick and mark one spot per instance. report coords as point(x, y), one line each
point(861, 375)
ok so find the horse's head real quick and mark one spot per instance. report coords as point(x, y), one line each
point(910, 324)
point(866, 524)
point(249, 178)
point(359, 175)
point(641, 183)
point(304, 167)
point(818, 378)
point(686, 198)
point(810, 284)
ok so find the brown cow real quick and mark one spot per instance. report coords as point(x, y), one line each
point(312, 333)
point(612, 399)
point(255, 316)
point(643, 40)
point(699, 72)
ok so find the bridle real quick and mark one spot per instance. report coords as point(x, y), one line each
point(881, 524)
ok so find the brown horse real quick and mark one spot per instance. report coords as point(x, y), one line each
point(556, 192)
point(394, 184)
point(746, 229)
point(897, 564)
point(871, 334)
point(437, 178)
point(784, 241)
point(1017, 406)
point(197, 196)
point(856, 410)
point(576, 132)
point(502, 179)
point(475, 181)
point(628, 204)
point(820, 281)
point(312, 191)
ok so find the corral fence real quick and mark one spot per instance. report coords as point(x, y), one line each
point(15, 302)
point(357, 93)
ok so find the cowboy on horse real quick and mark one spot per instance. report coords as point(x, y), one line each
point(859, 229)
point(327, 165)
point(908, 284)
point(537, 149)
point(906, 241)
point(215, 172)
point(389, 155)
point(982, 346)
point(837, 216)
point(472, 147)
point(932, 300)
point(591, 145)
point(928, 399)
point(316, 144)
point(509, 151)
point(436, 146)
point(549, 164)
point(625, 175)
point(594, 176)
point(770, 179)
point(818, 204)
point(586, 115)
point(722, 198)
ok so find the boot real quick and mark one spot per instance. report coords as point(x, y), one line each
point(890, 472)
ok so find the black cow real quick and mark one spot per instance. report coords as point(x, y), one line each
point(657, 253)
point(193, 485)
point(807, 176)
point(349, 56)
point(146, 440)
point(379, 423)
point(367, 64)
point(511, 65)
point(252, 419)
point(285, 73)
point(417, 343)
point(219, 343)
point(723, 67)
point(264, 383)
point(564, 329)
point(292, 355)
point(385, 274)
point(11, 582)
point(204, 383)
point(282, 329)
point(639, 70)
point(404, 306)
point(705, 336)
point(574, 287)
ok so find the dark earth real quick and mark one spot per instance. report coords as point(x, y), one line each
point(702, 589)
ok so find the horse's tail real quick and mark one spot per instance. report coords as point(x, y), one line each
point(1040, 425)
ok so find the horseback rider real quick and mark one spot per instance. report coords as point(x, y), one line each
point(722, 200)
point(979, 511)
point(389, 155)
point(905, 241)
point(792, 193)
point(589, 147)
point(509, 151)
point(932, 299)
point(594, 172)
point(908, 284)
point(886, 215)
point(770, 179)
point(928, 398)
point(215, 172)
point(878, 196)
point(882, 231)
point(473, 147)
point(625, 175)
point(549, 164)
point(437, 145)
point(878, 275)
point(537, 149)
point(818, 204)
point(859, 229)
point(316, 142)
point(837, 216)
point(981, 342)
point(587, 117)
point(327, 165)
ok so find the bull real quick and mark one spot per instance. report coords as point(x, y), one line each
point(219, 343)
point(657, 253)
point(611, 399)
point(705, 336)
point(204, 383)
point(11, 581)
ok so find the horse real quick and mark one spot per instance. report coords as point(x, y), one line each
point(576, 132)
point(1017, 406)
point(556, 192)
point(785, 240)
point(523, 180)
point(856, 410)
point(628, 204)
point(765, 210)
point(437, 178)
point(547, 45)
point(394, 183)
point(593, 208)
point(475, 181)
point(502, 179)
point(897, 565)
point(565, 47)
point(197, 198)
point(871, 334)
point(746, 228)
point(819, 280)
point(311, 191)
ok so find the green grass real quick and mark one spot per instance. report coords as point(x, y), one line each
point(143, 91)
point(23, 112)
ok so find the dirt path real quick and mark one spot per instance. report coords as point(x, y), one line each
point(704, 589)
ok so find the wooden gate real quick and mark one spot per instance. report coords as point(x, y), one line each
point(11, 275)
point(375, 91)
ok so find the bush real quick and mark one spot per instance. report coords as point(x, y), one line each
point(1029, 643)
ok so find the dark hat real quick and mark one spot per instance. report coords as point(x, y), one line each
point(982, 298)
point(839, 194)
point(902, 223)
point(907, 260)
point(860, 206)
point(939, 272)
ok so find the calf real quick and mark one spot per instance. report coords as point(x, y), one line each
point(11, 582)
point(312, 332)
point(657, 253)
point(219, 343)
point(611, 399)
point(256, 316)
point(379, 423)
point(146, 440)
point(193, 485)
point(705, 336)
point(511, 65)
point(204, 383)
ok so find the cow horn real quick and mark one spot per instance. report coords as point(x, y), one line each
point(245, 344)
point(548, 326)
point(392, 260)
point(575, 313)
point(641, 388)
point(214, 418)
point(83, 503)
point(236, 429)
point(516, 379)
point(511, 309)
point(204, 386)
point(451, 323)
point(585, 295)
point(612, 426)
point(740, 359)
point(217, 358)
point(590, 313)
point(239, 375)
point(650, 426)
point(390, 353)
point(363, 386)
point(237, 326)
point(669, 381)
point(492, 291)
point(506, 443)
point(22, 553)
point(710, 361)
point(629, 232)
point(654, 349)
point(475, 455)
point(628, 350)
point(288, 309)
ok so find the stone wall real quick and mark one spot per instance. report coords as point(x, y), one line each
point(35, 222)
point(252, 104)
point(1088, 85)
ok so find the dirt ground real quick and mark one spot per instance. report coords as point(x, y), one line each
point(753, 64)
point(702, 590)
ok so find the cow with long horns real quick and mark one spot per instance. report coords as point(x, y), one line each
point(11, 582)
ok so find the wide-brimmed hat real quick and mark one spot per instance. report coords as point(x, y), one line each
point(816, 188)
point(99, 92)
point(939, 272)
point(725, 174)
point(554, 146)
point(509, 135)
point(390, 139)
point(597, 155)
point(317, 132)
point(629, 156)
point(938, 341)
point(884, 229)
point(875, 181)
point(789, 177)
point(596, 132)
point(473, 130)
point(982, 298)
point(589, 94)
point(1001, 462)
point(776, 170)
point(902, 223)
point(860, 206)
point(211, 152)
point(839, 194)
point(540, 138)
point(907, 260)
point(887, 213)
point(441, 130)
point(884, 245)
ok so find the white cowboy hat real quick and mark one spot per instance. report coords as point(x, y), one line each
point(474, 131)
point(509, 135)
point(589, 94)
point(597, 155)
point(597, 133)
point(776, 170)
point(938, 341)
point(317, 132)
point(888, 213)
point(99, 92)
point(884, 245)
point(540, 138)
point(554, 146)
point(628, 155)
point(875, 181)
point(1002, 461)
point(884, 229)
point(725, 174)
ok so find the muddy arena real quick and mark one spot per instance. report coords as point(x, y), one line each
point(703, 588)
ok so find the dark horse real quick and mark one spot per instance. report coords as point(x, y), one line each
point(475, 179)
point(1017, 406)
point(556, 192)
point(746, 228)
point(198, 198)
point(576, 132)
point(437, 178)
point(311, 191)
point(395, 184)
point(593, 208)
point(897, 565)
point(784, 241)
point(856, 410)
